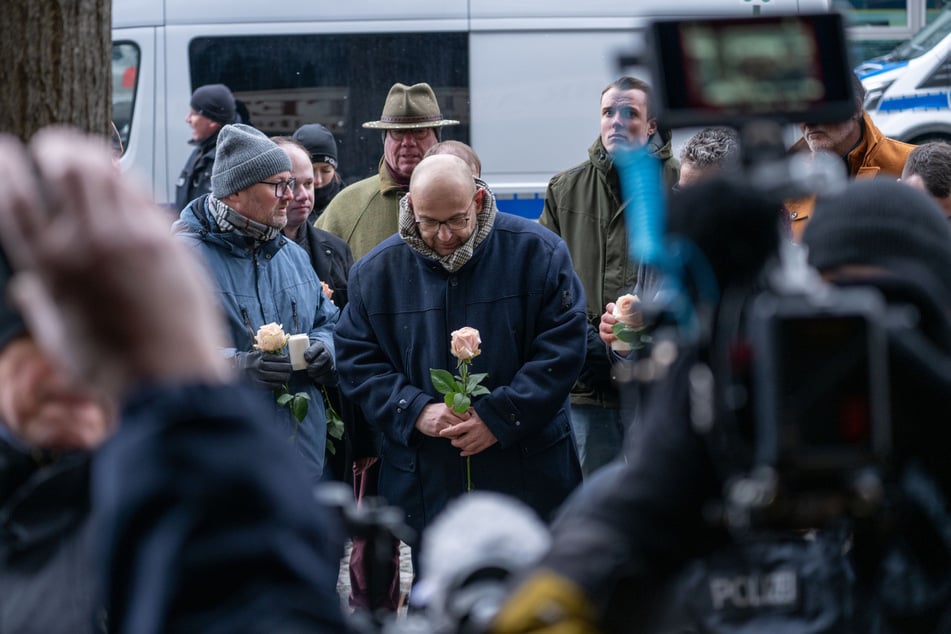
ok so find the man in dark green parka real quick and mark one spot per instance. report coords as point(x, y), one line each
point(584, 206)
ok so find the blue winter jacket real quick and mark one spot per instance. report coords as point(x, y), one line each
point(273, 282)
point(522, 294)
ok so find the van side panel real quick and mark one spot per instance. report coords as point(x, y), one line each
point(257, 12)
point(534, 72)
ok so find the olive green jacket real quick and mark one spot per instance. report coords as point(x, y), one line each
point(583, 205)
point(365, 213)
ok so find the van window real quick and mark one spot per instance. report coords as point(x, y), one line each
point(125, 76)
point(337, 80)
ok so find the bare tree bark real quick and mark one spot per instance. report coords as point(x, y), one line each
point(56, 65)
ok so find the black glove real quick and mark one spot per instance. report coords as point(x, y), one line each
point(320, 364)
point(271, 371)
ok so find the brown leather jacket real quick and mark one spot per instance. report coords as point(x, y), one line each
point(875, 155)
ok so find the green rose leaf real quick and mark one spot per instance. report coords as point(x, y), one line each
point(299, 404)
point(284, 399)
point(442, 381)
point(460, 403)
point(474, 381)
point(479, 390)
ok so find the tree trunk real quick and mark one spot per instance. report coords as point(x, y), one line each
point(56, 65)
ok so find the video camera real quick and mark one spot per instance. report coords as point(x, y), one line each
point(790, 69)
point(811, 410)
point(757, 75)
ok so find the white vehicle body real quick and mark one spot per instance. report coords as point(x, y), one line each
point(523, 77)
point(909, 90)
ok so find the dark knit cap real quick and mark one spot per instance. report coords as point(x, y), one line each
point(319, 141)
point(214, 101)
point(882, 223)
point(244, 156)
point(11, 324)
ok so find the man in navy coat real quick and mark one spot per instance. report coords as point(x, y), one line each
point(457, 262)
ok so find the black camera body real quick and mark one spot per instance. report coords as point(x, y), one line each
point(819, 399)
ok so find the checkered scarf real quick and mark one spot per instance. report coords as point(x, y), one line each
point(228, 219)
point(457, 259)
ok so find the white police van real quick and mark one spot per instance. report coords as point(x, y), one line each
point(524, 78)
point(909, 89)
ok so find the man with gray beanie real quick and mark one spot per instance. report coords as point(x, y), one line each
point(263, 277)
point(212, 106)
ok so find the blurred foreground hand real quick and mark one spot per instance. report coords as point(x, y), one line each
point(101, 283)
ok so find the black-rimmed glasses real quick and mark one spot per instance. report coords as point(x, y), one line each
point(453, 224)
point(282, 187)
point(417, 133)
point(456, 223)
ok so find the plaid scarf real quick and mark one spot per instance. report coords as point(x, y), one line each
point(228, 219)
point(457, 259)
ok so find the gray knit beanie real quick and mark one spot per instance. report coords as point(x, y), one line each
point(244, 156)
point(882, 223)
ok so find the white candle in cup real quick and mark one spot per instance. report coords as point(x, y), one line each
point(296, 346)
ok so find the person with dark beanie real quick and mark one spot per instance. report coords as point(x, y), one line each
point(322, 147)
point(212, 106)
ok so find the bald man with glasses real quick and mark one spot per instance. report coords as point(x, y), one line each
point(457, 262)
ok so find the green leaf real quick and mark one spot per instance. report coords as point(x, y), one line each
point(284, 399)
point(628, 336)
point(442, 381)
point(450, 398)
point(460, 403)
point(299, 406)
point(475, 380)
point(479, 390)
point(335, 427)
point(331, 449)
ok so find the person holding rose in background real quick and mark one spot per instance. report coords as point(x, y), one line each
point(457, 262)
point(584, 206)
point(263, 277)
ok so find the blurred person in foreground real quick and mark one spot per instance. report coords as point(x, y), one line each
point(659, 519)
point(50, 426)
point(193, 535)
